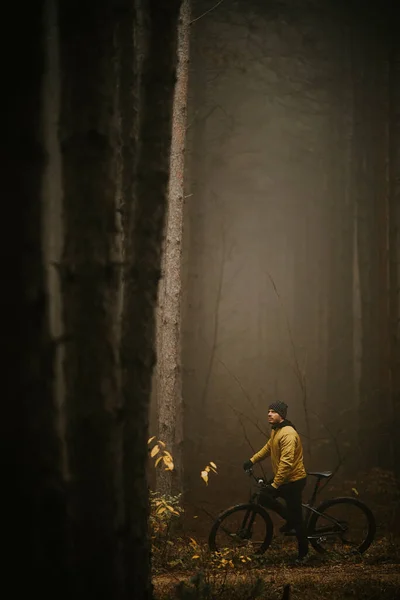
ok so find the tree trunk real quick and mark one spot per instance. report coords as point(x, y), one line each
point(33, 530)
point(169, 382)
point(143, 241)
point(341, 406)
point(371, 189)
point(90, 287)
point(394, 233)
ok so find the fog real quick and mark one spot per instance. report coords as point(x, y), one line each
point(279, 154)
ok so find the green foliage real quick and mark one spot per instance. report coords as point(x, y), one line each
point(164, 512)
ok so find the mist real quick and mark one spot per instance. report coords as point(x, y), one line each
point(285, 279)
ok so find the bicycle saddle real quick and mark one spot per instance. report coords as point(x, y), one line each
point(320, 474)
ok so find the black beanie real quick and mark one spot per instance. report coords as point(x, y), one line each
point(280, 408)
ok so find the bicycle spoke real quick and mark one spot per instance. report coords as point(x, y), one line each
point(241, 527)
point(330, 531)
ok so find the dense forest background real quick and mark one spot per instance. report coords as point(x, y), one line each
point(291, 244)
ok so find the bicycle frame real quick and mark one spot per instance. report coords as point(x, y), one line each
point(307, 506)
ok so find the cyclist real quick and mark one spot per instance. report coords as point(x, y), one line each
point(290, 477)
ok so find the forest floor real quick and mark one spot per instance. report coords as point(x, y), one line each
point(374, 576)
point(322, 583)
point(185, 569)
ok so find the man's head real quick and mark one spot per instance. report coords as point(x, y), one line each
point(277, 412)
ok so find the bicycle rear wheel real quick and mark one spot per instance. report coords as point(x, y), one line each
point(343, 526)
point(247, 527)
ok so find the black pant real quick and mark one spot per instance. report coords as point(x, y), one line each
point(292, 495)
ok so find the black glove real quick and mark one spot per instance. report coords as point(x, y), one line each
point(247, 465)
point(271, 490)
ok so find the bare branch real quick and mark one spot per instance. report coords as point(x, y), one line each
point(239, 416)
point(300, 373)
point(206, 12)
point(341, 459)
point(216, 323)
point(246, 395)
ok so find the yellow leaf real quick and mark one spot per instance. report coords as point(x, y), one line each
point(168, 463)
point(155, 450)
point(193, 541)
point(213, 464)
point(151, 439)
point(207, 468)
point(158, 460)
point(204, 476)
point(166, 453)
point(196, 556)
point(355, 491)
point(161, 510)
point(161, 443)
point(195, 517)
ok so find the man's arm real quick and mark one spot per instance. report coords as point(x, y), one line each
point(263, 453)
point(287, 447)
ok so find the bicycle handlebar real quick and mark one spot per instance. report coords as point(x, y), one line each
point(260, 481)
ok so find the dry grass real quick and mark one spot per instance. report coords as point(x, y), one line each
point(374, 576)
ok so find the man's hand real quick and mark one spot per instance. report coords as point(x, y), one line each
point(247, 465)
point(271, 490)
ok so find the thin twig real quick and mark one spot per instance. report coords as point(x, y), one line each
point(216, 324)
point(206, 12)
point(238, 412)
point(341, 459)
point(239, 416)
point(245, 394)
point(298, 371)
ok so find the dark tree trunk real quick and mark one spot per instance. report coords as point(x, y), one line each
point(370, 156)
point(143, 244)
point(340, 351)
point(394, 230)
point(90, 286)
point(33, 524)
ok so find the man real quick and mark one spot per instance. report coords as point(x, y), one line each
point(290, 477)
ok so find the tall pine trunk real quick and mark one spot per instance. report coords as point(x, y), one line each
point(143, 244)
point(90, 288)
point(169, 376)
point(340, 353)
point(370, 154)
point(33, 529)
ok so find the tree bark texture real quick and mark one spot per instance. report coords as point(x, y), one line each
point(169, 382)
point(394, 230)
point(143, 246)
point(90, 285)
point(33, 500)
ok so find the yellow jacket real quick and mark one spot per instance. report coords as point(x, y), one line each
point(286, 451)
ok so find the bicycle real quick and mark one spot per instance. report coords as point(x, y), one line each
point(326, 531)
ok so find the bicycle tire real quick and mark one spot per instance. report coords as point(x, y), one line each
point(324, 506)
point(253, 508)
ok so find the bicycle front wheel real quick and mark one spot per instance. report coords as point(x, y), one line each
point(342, 526)
point(247, 527)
